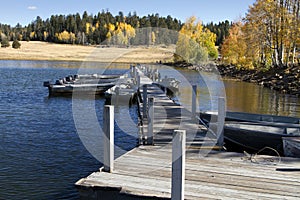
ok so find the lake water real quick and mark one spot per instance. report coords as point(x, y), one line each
point(41, 153)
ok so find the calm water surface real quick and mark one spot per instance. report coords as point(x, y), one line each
point(41, 153)
point(240, 96)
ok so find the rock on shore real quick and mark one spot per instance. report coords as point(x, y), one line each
point(283, 80)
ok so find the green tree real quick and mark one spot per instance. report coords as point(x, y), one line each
point(16, 44)
point(5, 43)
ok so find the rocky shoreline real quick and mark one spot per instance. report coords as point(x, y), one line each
point(284, 80)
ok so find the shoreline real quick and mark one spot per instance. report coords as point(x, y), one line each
point(283, 80)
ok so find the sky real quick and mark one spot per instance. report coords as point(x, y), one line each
point(26, 11)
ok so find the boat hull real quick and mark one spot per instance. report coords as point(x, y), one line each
point(291, 146)
point(262, 131)
point(91, 84)
point(254, 138)
point(66, 90)
point(259, 118)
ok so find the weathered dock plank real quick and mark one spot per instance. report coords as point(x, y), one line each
point(146, 172)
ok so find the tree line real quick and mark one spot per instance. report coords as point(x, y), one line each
point(85, 29)
point(269, 36)
point(102, 27)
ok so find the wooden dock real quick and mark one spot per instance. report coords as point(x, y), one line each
point(145, 172)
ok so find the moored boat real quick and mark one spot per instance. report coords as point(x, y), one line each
point(69, 89)
point(271, 120)
point(254, 137)
point(291, 146)
point(93, 84)
point(254, 132)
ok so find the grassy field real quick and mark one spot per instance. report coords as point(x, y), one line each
point(61, 52)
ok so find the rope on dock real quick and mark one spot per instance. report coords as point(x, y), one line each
point(267, 160)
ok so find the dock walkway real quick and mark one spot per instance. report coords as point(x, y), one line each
point(145, 172)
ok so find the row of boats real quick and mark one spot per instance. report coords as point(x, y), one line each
point(242, 131)
point(255, 132)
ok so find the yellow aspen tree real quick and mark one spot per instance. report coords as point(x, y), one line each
point(194, 43)
point(46, 34)
point(234, 48)
point(32, 34)
point(97, 25)
point(108, 37)
point(72, 38)
point(87, 28)
point(20, 37)
point(153, 38)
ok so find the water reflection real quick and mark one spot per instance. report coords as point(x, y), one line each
point(241, 96)
point(248, 97)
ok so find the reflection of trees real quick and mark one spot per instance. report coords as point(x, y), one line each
point(247, 97)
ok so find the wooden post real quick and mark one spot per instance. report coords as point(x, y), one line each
point(178, 165)
point(156, 75)
point(221, 119)
point(108, 126)
point(150, 120)
point(153, 77)
point(138, 80)
point(134, 71)
point(194, 101)
point(145, 101)
point(141, 135)
point(131, 69)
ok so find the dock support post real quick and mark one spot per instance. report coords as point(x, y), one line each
point(134, 71)
point(138, 80)
point(145, 101)
point(178, 164)
point(108, 126)
point(150, 120)
point(153, 77)
point(221, 118)
point(194, 101)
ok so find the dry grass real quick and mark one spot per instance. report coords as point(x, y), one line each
point(48, 51)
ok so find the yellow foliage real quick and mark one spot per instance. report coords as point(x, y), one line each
point(87, 28)
point(46, 34)
point(20, 38)
point(66, 37)
point(203, 38)
point(111, 27)
point(234, 48)
point(108, 35)
point(122, 32)
point(153, 38)
point(32, 34)
point(272, 31)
